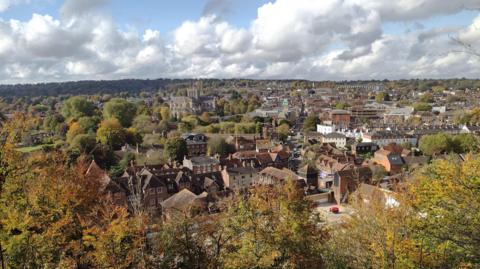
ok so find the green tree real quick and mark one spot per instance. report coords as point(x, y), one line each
point(420, 106)
point(89, 124)
point(77, 107)
point(218, 145)
point(84, 143)
point(143, 124)
point(111, 133)
point(380, 97)
point(465, 143)
point(283, 131)
point(310, 123)
point(121, 110)
point(235, 95)
point(51, 122)
point(427, 98)
point(175, 149)
point(341, 105)
point(435, 144)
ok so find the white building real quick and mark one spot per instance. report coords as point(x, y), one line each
point(325, 128)
point(384, 138)
point(238, 178)
point(338, 139)
point(330, 128)
point(439, 109)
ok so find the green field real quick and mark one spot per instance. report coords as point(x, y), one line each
point(32, 148)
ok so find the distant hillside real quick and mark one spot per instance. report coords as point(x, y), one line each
point(87, 87)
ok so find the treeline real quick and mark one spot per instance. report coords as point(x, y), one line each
point(87, 87)
point(137, 85)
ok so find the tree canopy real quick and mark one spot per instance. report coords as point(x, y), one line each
point(111, 133)
point(310, 123)
point(121, 110)
point(77, 107)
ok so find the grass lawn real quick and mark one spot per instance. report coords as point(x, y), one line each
point(32, 148)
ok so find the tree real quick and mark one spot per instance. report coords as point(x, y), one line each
point(2, 118)
point(181, 244)
point(205, 117)
point(310, 123)
point(443, 143)
point(420, 106)
point(274, 228)
point(118, 239)
point(283, 131)
point(235, 95)
point(84, 143)
point(375, 236)
point(77, 107)
point(53, 215)
point(121, 110)
point(380, 97)
point(175, 149)
point(111, 133)
point(163, 113)
point(143, 124)
point(40, 224)
point(445, 194)
point(89, 124)
point(133, 137)
point(465, 143)
point(74, 130)
point(51, 122)
point(341, 105)
point(427, 98)
point(218, 145)
point(435, 144)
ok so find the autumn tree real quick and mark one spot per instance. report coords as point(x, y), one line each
point(446, 197)
point(118, 239)
point(53, 215)
point(375, 236)
point(274, 228)
point(74, 130)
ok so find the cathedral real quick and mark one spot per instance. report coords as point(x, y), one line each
point(194, 103)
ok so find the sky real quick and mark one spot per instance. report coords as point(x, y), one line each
point(63, 40)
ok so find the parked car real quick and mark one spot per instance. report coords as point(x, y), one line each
point(334, 210)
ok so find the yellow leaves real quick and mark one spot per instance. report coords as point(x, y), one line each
point(115, 238)
point(74, 130)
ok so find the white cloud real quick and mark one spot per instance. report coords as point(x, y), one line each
point(405, 10)
point(6, 4)
point(75, 8)
point(328, 39)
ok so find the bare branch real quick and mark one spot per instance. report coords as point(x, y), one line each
point(467, 47)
